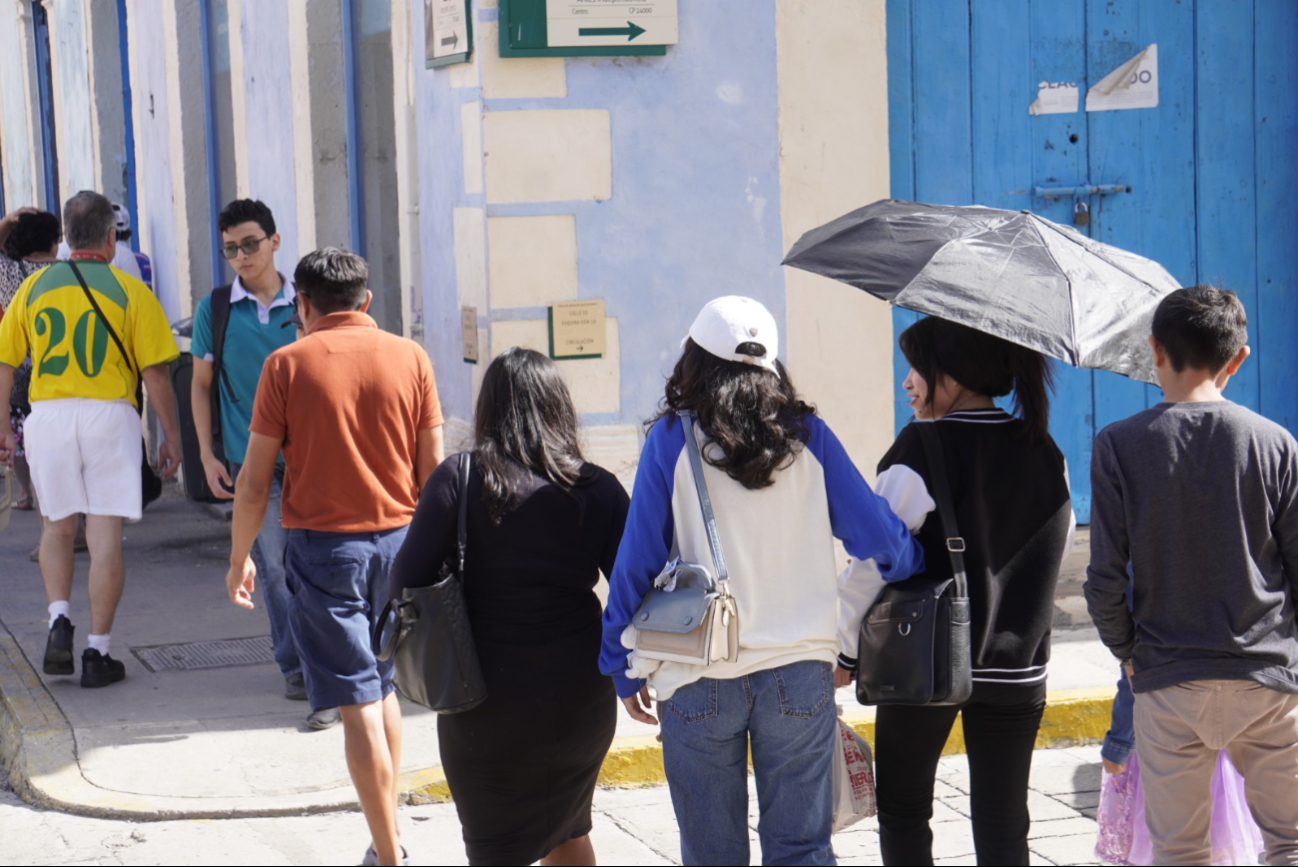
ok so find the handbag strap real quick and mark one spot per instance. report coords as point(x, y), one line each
point(955, 544)
point(462, 524)
point(705, 501)
point(130, 362)
point(383, 642)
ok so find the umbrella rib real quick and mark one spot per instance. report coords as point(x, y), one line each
point(1072, 308)
point(1135, 277)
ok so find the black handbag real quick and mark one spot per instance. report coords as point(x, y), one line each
point(915, 641)
point(430, 642)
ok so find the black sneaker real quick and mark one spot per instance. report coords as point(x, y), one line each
point(58, 647)
point(100, 670)
point(295, 687)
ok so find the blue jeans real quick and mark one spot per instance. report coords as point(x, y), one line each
point(268, 557)
point(1120, 739)
point(789, 715)
point(339, 583)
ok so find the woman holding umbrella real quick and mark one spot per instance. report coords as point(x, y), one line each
point(1009, 484)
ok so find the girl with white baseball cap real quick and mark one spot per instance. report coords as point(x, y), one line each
point(782, 488)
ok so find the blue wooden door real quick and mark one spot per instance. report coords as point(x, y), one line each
point(1211, 169)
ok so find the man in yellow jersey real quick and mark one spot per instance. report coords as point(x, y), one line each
point(93, 332)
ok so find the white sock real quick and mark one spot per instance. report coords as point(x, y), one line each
point(100, 643)
point(62, 607)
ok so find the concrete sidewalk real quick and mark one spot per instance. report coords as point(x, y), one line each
point(223, 741)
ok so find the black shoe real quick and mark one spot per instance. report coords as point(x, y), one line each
point(58, 647)
point(100, 670)
point(324, 718)
point(295, 687)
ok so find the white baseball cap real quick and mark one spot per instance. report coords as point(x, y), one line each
point(123, 217)
point(727, 324)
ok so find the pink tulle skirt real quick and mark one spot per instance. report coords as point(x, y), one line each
point(1124, 836)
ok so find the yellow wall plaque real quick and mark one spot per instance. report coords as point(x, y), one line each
point(577, 330)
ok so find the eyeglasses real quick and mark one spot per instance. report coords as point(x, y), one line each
point(229, 251)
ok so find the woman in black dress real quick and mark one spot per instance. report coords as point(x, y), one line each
point(542, 525)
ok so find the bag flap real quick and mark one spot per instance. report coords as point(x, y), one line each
point(898, 611)
point(680, 611)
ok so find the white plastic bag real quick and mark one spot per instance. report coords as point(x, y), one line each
point(853, 778)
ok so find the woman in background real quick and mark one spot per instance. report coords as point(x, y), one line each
point(30, 241)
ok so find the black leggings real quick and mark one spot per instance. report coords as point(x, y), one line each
point(1000, 730)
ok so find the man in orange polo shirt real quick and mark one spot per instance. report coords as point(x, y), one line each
point(356, 414)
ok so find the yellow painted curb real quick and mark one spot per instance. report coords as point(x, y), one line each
point(1072, 718)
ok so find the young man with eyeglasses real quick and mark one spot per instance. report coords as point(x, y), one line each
point(235, 329)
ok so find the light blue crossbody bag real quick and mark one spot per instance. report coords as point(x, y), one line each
point(689, 614)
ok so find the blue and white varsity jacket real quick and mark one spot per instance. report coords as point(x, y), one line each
point(778, 544)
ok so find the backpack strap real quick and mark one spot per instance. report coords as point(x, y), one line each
point(220, 316)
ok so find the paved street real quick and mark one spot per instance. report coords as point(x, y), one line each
point(632, 826)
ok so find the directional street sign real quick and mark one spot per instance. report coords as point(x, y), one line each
point(447, 31)
point(595, 23)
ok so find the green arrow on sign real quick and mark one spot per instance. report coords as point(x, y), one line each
point(630, 31)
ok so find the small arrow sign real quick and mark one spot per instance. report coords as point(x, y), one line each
point(452, 40)
point(630, 31)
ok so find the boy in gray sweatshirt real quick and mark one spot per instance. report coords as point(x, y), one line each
point(1200, 496)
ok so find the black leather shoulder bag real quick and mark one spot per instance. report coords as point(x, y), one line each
point(430, 642)
point(915, 640)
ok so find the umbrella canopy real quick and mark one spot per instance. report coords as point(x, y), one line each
point(1007, 273)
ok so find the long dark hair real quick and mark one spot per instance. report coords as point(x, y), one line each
point(756, 417)
point(525, 421)
point(983, 364)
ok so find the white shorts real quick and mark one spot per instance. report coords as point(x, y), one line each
point(85, 457)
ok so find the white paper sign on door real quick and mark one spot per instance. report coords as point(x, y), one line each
point(1134, 84)
point(1055, 97)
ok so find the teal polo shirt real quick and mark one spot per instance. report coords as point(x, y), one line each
point(253, 333)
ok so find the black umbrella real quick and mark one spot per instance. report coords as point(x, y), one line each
point(1007, 273)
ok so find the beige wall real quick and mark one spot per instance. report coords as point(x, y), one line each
point(833, 159)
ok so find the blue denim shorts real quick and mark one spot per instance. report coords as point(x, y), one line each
point(339, 583)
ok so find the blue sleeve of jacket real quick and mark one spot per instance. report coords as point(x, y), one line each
point(1120, 739)
point(858, 516)
point(646, 546)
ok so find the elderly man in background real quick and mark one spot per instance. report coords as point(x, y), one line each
point(95, 333)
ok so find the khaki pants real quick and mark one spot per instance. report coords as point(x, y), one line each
point(1179, 733)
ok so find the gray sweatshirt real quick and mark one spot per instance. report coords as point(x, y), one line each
point(1202, 500)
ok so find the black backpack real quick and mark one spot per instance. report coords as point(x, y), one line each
point(220, 320)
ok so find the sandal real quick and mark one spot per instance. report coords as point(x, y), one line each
point(23, 505)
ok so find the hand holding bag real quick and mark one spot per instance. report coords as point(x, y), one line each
point(689, 614)
point(430, 643)
point(915, 642)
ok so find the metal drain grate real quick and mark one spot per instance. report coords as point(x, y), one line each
point(206, 654)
